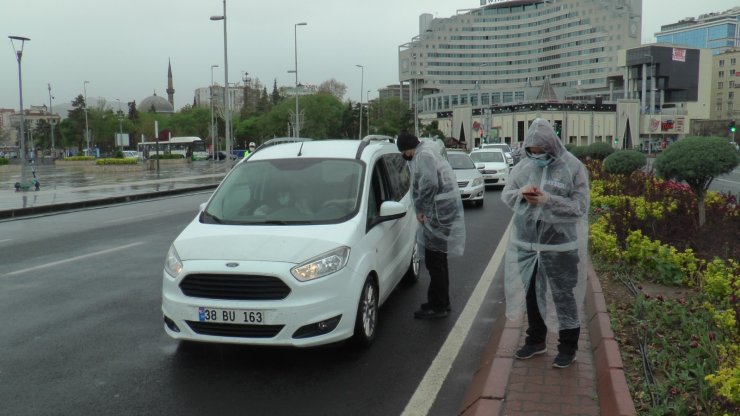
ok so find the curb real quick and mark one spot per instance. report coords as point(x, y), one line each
point(487, 391)
point(45, 209)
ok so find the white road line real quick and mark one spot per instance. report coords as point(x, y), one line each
point(84, 256)
point(7, 239)
point(427, 391)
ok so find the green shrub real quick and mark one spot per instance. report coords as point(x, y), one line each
point(599, 150)
point(624, 162)
point(114, 161)
point(579, 151)
point(4, 161)
point(118, 154)
point(77, 158)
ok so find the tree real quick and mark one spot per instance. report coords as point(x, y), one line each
point(333, 87)
point(275, 96)
point(599, 150)
point(624, 162)
point(433, 130)
point(72, 128)
point(697, 161)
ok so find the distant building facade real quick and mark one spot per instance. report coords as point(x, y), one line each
point(726, 86)
point(718, 31)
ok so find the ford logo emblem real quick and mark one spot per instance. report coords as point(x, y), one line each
point(232, 264)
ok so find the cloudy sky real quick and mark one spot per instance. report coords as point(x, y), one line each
point(122, 47)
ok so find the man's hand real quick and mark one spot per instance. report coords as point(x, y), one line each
point(420, 217)
point(535, 196)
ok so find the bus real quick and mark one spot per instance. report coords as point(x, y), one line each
point(175, 146)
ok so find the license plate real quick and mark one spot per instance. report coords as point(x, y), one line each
point(231, 316)
point(488, 176)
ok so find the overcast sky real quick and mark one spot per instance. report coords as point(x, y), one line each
point(122, 47)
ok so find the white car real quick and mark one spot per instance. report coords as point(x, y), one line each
point(469, 179)
point(510, 159)
point(298, 246)
point(492, 164)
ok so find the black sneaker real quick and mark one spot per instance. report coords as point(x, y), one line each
point(430, 314)
point(427, 306)
point(530, 350)
point(563, 360)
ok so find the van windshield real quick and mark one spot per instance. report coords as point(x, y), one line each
point(287, 192)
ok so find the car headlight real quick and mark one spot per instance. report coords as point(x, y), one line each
point(321, 265)
point(173, 264)
point(478, 181)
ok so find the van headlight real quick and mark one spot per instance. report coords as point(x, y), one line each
point(321, 265)
point(478, 181)
point(172, 264)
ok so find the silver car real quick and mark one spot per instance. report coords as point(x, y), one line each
point(469, 179)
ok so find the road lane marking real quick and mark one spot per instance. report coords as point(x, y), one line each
point(134, 218)
point(4, 240)
point(429, 387)
point(84, 256)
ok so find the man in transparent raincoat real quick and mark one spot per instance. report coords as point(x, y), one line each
point(546, 256)
point(439, 209)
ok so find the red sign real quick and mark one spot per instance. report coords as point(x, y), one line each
point(679, 55)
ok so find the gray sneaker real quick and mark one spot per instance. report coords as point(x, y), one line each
point(530, 350)
point(563, 360)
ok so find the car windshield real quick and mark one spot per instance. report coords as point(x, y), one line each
point(460, 161)
point(485, 157)
point(287, 192)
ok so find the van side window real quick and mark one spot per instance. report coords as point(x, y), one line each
point(399, 177)
point(379, 191)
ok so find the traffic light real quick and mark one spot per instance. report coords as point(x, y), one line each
point(732, 126)
point(616, 140)
point(558, 126)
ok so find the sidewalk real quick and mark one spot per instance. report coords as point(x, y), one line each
point(594, 385)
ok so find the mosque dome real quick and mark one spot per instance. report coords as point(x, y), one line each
point(160, 105)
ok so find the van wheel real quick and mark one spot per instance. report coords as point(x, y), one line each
point(412, 273)
point(366, 321)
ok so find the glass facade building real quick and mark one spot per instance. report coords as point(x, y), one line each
point(716, 31)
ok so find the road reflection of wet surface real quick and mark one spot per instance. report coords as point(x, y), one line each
point(70, 184)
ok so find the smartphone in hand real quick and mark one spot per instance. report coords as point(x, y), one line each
point(530, 193)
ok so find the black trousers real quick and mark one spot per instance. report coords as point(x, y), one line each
point(438, 294)
point(537, 331)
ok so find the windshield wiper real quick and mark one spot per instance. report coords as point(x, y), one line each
point(210, 218)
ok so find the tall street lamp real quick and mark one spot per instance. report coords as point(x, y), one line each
point(51, 121)
point(214, 139)
point(367, 97)
point(120, 123)
point(362, 86)
point(297, 129)
point(18, 57)
point(227, 114)
point(87, 131)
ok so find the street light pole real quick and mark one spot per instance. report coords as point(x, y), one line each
point(367, 97)
point(120, 123)
point(214, 139)
point(87, 131)
point(297, 127)
point(18, 56)
point(51, 123)
point(227, 114)
point(362, 86)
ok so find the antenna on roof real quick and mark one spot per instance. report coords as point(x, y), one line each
point(300, 149)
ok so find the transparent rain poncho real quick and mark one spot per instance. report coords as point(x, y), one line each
point(550, 239)
point(436, 195)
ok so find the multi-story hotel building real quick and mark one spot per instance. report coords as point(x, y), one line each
point(503, 51)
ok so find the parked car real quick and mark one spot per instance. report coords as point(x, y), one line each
point(299, 245)
point(492, 164)
point(469, 179)
point(511, 159)
point(131, 154)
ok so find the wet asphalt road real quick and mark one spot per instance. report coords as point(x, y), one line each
point(80, 296)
